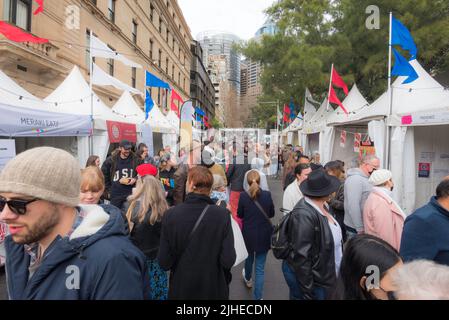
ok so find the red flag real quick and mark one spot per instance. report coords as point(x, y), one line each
point(338, 81)
point(286, 113)
point(18, 35)
point(173, 106)
point(40, 8)
point(334, 99)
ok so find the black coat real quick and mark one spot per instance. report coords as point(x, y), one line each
point(236, 173)
point(202, 271)
point(256, 228)
point(337, 207)
point(312, 257)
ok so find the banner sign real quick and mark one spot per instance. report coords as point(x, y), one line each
point(118, 131)
point(425, 118)
point(367, 147)
point(24, 122)
point(7, 151)
point(357, 140)
point(424, 170)
point(343, 139)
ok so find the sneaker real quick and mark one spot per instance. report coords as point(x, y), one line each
point(248, 283)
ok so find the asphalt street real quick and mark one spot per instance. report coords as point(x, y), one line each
point(275, 287)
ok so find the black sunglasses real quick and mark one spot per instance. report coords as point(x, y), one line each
point(17, 206)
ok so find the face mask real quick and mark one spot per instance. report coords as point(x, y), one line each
point(217, 196)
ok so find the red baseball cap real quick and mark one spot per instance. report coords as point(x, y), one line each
point(147, 170)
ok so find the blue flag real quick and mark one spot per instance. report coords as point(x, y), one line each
point(153, 81)
point(292, 110)
point(200, 112)
point(149, 104)
point(401, 36)
point(403, 68)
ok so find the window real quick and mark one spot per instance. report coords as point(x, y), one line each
point(184, 86)
point(174, 43)
point(166, 66)
point(173, 72)
point(88, 49)
point(94, 2)
point(159, 96)
point(110, 63)
point(111, 9)
point(179, 77)
point(160, 59)
point(151, 13)
point(133, 77)
point(18, 12)
point(167, 35)
point(160, 25)
point(151, 50)
point(134, 32)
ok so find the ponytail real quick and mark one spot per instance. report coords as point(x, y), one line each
point(254, 184)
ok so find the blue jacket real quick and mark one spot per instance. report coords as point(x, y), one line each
point(426, 234)
point(256, 228)
point(98, 262)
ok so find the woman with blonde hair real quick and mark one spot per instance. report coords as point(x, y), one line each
point(92, 185)
point(146, 209)
point(256, 208)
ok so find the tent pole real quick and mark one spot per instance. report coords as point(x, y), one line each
point(91, 140)
point(330, 87)
point(387, 163)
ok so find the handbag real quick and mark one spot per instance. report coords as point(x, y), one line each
point(239, 243)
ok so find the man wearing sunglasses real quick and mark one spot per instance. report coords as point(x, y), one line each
point(56, 249)
point(356, 190)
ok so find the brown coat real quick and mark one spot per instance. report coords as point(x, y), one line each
point(180, 176)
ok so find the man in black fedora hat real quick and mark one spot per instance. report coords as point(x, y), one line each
point(316, 240)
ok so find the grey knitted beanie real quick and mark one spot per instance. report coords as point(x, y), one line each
point(46, 173)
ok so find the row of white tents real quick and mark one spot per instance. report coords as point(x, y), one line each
point(67, 116)
point(418, 125)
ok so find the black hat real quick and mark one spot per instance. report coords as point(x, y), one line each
point(125, 144)
point(319, 184)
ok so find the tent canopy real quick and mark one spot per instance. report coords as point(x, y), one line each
point(158, 121)
point(173, 119)
point(318, 121)
point(73, 95)
point(353, 103)
point(127, 107)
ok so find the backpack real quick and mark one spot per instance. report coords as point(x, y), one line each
point(280, 245)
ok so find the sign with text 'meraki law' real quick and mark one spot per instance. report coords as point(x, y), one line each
point(118, 131)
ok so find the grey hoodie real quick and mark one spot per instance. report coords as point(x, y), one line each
point(357, 190)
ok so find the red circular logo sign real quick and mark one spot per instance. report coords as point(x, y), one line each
point(115, 132)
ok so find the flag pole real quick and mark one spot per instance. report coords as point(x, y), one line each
point(91, 65)
point(390, 93)
point(330, 86)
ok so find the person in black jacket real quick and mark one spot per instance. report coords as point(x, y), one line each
point(337, 202)
point(119, 172)
point(167, 177)
point(316, 240)
point(200, 262)
point(256, 208)
point(235, 176)
point(147, 206)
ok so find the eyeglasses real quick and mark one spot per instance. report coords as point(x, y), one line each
point(17, 206)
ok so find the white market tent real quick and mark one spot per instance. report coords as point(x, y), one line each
point(73, 95)
point(339, 121)
point(127, 107)
point(159, 122)
point(173, 119)
point(33, 123)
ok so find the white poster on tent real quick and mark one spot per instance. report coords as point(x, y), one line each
point(7, 151)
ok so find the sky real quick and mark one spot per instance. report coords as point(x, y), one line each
point(241, 17)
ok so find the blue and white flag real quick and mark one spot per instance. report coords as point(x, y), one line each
point(403, 68)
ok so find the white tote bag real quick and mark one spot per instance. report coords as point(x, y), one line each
point(239, 243)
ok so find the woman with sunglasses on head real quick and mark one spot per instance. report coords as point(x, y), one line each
point(144, 216)
point(366, 270)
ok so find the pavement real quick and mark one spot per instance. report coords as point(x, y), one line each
point(275, 287)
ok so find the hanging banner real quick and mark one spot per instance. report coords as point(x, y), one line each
point(343, 139)
point(424, 170)
point(147, 138)
point(367, 147)
point(7, 151)
point(357, 140)
point(118, 131)
point(24, 122)
point(186, 133)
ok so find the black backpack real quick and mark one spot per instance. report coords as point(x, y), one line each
point(280, 245)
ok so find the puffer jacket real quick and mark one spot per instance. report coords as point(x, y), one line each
point(312, 257)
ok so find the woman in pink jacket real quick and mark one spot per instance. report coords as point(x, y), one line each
point(382, 216)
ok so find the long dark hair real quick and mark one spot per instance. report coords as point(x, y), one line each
point(361, 252)
point(91, 161)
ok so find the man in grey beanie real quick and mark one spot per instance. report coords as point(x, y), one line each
point(56, 249)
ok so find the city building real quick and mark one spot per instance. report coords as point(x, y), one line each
point(202, 90)
point(251, 71)
point(219, 53)
point(152, 33)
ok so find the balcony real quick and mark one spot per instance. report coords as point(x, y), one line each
point(41, 58)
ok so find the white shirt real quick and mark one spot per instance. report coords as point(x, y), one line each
point(292, 195)
point(336, 234)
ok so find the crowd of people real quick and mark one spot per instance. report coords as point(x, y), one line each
point(174, 225)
